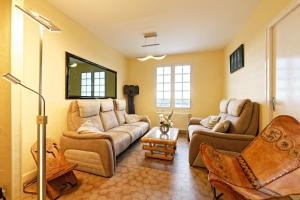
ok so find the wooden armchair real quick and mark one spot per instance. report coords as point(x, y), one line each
point(267, 168)
point(58, 171)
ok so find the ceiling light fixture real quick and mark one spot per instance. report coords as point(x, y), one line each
point(73, 65)
point(153, 44)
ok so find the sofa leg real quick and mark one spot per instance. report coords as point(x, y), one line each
point(216, 197)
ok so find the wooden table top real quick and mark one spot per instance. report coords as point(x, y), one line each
point(154, 136)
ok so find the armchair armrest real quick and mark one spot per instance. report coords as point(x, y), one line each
point(221, 141)
point(195, 121)
point(225, 136)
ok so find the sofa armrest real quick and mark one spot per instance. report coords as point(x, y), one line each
point(92, 142)
point(89, 135)
point(195, 121)
point(145, 118)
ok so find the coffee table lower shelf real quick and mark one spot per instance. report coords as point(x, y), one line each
point(164, 152)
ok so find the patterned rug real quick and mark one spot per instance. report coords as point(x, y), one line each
point(140, 178)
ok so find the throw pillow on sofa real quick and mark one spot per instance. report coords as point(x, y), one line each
point(221, 126)
point(88, 126)
point(210, 122)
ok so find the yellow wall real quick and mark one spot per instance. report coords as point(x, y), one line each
point(5, 97)
point(250, 81)
point(207, 82)
point(74, 39)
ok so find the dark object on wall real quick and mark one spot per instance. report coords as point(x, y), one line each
point(237, 59)
point(88, 80)
point(131, 91)
point(2, 197)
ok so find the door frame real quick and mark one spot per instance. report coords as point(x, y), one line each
point(269, 54)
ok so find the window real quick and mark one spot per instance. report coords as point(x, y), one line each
point(182, 86)
point(173, 86)
point(93, 84)
point(99, 84)
point(163, 87)
point(86, 84)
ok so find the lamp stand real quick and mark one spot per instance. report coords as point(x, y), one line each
point(41, 128)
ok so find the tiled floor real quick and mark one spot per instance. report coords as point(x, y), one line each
point(143, 178)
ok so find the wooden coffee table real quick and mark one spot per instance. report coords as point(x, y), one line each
point(158, 146)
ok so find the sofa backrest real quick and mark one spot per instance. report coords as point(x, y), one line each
point(107, 114)
point(243, 115)
point(104, 114)
point(120, 110)
point(81, 111)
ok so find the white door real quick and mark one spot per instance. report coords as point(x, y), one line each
point(286, 65)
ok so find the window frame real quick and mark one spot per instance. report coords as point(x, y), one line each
point(172, 100)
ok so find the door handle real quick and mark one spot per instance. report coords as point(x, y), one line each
point(273, 103)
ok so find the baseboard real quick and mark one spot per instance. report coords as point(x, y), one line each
point(29, 176)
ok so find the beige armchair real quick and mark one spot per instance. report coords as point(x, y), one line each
point(244, 118)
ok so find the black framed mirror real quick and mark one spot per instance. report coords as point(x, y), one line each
point(88, 80)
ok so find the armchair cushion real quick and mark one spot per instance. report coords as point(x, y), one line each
point(224, 105)
point(235, 106)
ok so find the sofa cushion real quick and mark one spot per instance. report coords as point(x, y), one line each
point(235, 107)
point(143, 125)
point(224, 105)
point(75, 120)
point(120, 104)
point(89, 126)
point(120, 116)
point(107, 105)
point(88, 108)
point(109, 120)
point(121, 141)
point(221, 126)
point(134, 131)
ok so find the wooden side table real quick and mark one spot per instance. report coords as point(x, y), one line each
point(160, 146)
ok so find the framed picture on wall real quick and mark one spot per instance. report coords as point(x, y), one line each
point(237, 59)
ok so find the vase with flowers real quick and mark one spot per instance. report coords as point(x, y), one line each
point(166, 123)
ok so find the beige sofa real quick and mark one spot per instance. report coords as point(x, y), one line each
point(243, 116)
point(95, 151)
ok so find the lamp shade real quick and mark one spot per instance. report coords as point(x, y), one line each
point(11, 78)
point(40, 19)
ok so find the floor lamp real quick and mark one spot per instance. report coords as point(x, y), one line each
point(41, 118)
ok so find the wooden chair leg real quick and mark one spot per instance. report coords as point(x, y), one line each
point(54, 186)
point(216, 197)
point(52, 191)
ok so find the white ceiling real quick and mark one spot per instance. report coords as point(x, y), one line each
point(182, 25)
